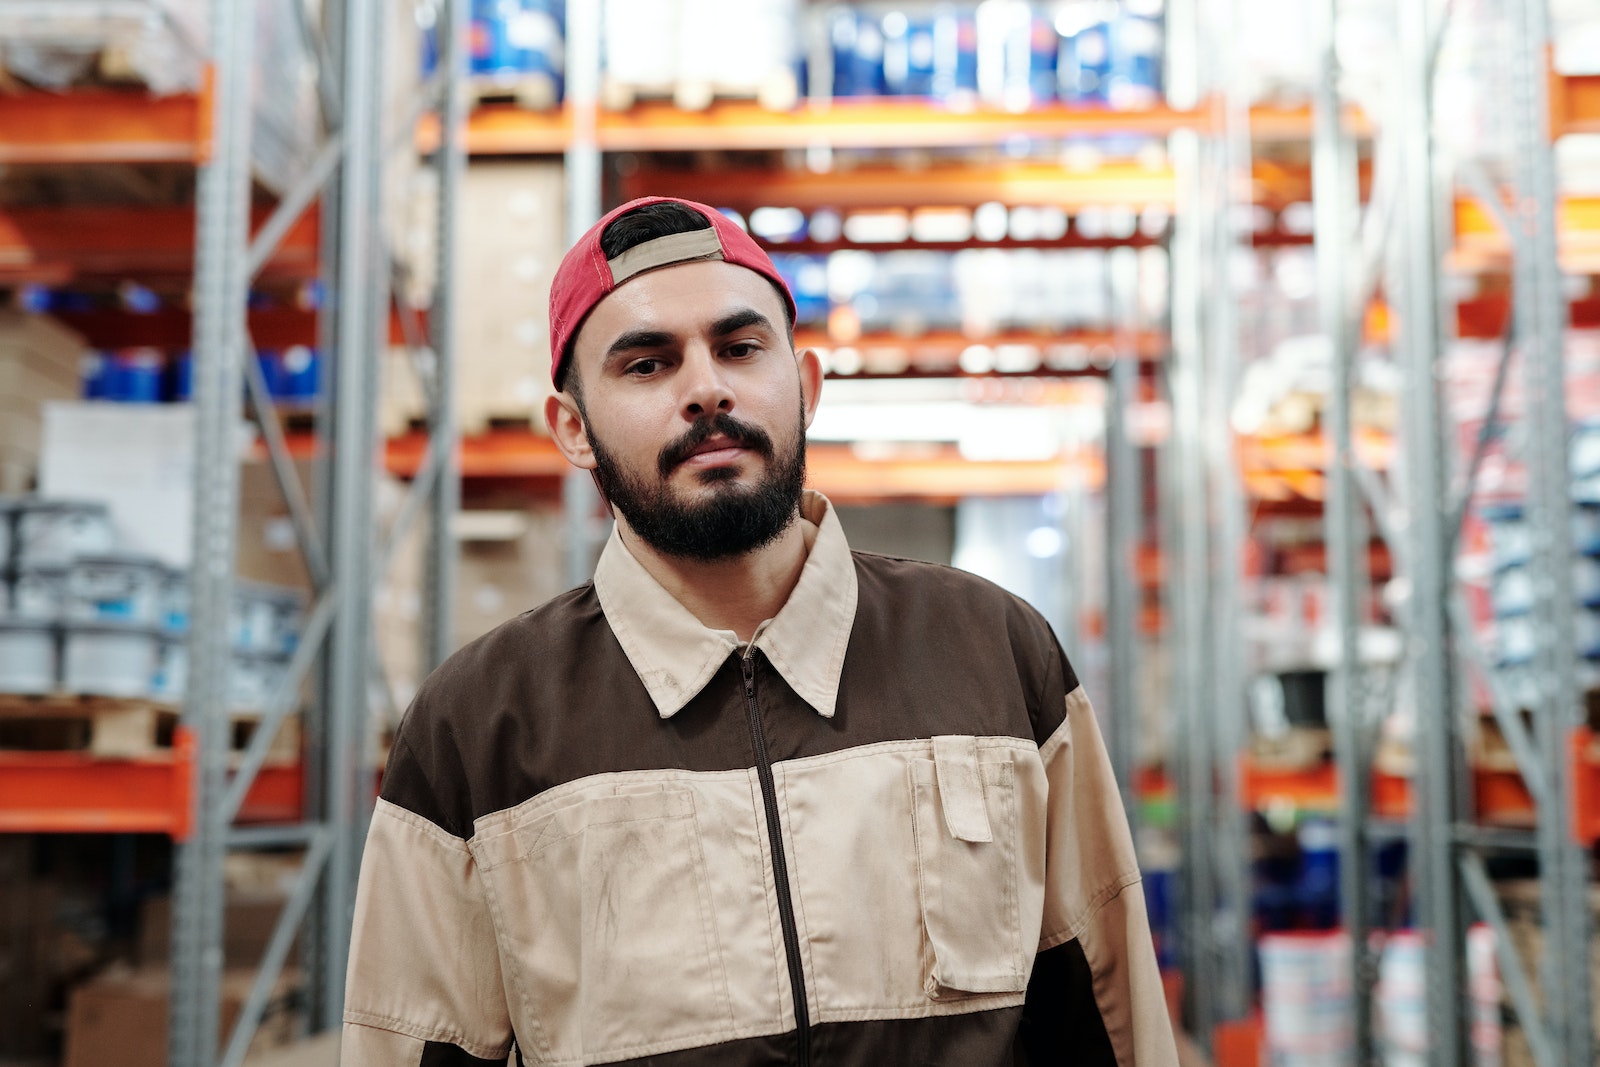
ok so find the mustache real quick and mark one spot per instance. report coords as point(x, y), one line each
point(740, 433)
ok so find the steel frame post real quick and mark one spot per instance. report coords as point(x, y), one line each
point(444, 499)
point(1184, 485)
point(1540, 317)
point(1334, 205)
point(1122, 551)
point(579, 497)
point(222, 235)
point(1230, 169)
point(1433, 682)
point(1191, 564)
point(359, 299)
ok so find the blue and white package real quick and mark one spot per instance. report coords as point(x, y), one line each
point(1136, 56)
point(955, 58)
point(516, 43)
point(857, 44)
point(908, 55)
point(1085, 65)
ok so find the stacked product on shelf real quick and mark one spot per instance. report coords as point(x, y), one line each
point(161, 45)
point(1306, 998)
point(695, 51)
point(517, 50)
point(1008, 54)
point(83, 616)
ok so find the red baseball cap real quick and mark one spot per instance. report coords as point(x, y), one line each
point(586, 277)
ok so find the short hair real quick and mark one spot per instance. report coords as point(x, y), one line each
point(646, 223)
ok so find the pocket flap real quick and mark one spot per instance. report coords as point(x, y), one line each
point(955, 761)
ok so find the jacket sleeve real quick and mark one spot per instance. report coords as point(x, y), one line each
point(1095, 996)
point(424, 985)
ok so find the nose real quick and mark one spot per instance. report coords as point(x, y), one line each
point(705, 386)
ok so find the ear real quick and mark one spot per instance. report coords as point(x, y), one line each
point(810, 365)
point(568, 431)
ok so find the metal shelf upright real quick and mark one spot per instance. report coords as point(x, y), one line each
point(1203, 504)
point(1403, 239)
point(345, 175)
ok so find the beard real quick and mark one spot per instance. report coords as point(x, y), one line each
point(731, 520)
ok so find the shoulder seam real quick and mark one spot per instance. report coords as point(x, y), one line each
point(439, 834)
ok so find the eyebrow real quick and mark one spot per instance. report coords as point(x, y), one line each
point(739, 320)
point(636, 339)
point(734, 321)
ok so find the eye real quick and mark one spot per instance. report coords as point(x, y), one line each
point(742, 349)
point(643, 368)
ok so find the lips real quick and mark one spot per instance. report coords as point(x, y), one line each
point(720, 434)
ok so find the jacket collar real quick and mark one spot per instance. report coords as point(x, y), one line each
point(675, 655)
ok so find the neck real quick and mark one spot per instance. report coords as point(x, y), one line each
point(737, 594)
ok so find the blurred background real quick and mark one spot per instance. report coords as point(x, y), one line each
point(1255, 342)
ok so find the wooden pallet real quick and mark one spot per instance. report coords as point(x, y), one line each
point(536, 92)
point(118, 728)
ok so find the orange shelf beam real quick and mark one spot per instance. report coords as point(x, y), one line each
point(1499, 795)
point(103, 126)
point(855, 122)
point(1586, 785)
point(77, 792)
point(1317, 788)
point(930, 473)
point(1481, 246)
point(87, 241)
point(887, 187)
point(1111, 183)
point(943, 347)
point(1574, 104)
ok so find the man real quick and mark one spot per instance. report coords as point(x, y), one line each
point(747, 797)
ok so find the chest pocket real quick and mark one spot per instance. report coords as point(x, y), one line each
point(602, 909)
point(965, 818)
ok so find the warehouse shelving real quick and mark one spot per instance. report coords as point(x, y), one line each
point(931, 473)
point(857, 122)
point(1454, 811)
point(57, 245)
point(206, 798)
point(78, 792)
point(104, 126)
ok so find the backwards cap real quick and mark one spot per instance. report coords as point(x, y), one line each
point(586, 277)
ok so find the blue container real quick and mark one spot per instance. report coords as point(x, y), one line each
point(270, 360)
point(908, 55)
point(137, 299)
point(807, 278)
point(42, 300)
point(1316, 890)
point(513, 41)
point(1084, 66)
point(299, 375)
point(180, 377)
point(136, 376)
point(955, 58)
point(94, 375)
point(1136, 57)
point(857, 55)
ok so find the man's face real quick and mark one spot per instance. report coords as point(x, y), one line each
point(695, 409)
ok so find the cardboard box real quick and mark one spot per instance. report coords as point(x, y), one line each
point(495, 580)
point(38, 363)
point(121, 1015)
point(248, 922)
point(510, 239)
point(27, 913)
point(137, 458)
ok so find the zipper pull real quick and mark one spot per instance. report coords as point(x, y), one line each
point(749, 668)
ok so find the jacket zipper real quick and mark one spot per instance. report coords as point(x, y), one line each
point(780, 866)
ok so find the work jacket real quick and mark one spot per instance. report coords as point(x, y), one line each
point(883, 832)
